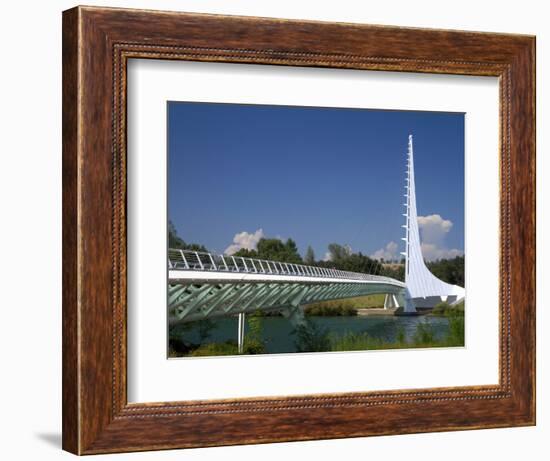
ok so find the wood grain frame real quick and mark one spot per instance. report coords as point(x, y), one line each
point(97, 43)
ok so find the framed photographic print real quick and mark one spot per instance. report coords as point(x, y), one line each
point(280, 230)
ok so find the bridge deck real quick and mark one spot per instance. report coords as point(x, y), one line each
point(203, 285)
point(185, 265)
point(194, 276)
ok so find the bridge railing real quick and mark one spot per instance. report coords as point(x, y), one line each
point(201, 261)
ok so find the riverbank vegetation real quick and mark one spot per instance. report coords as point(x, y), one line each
point(328, 310)
point(253, 340)
point(445, 309)
point(310, 337)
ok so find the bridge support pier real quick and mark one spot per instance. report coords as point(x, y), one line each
point(240, 332)
point(295, 313)
point(409, 307)
point(390, 301)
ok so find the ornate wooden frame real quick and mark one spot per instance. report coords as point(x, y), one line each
point(97, 43)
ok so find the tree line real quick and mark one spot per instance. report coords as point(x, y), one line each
point(175, 241)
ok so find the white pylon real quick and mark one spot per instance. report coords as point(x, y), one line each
point(423, 289)
point(390, 301)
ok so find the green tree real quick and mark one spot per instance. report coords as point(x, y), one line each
point(309, 258)
point(342, 257)
point(175, 241)
point(310, 337)
point(273, 250)
point(253, 341)
point(338, 253)
point(246, 253)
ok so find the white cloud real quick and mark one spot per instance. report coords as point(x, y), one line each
point(432, 252)
point(244, 240)
point(388, 253)
point(433, 230)
point(328, 256)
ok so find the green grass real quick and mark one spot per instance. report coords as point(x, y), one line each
point(250, 347)
point(444, 309)
point(423, 337)
point(357, 342)
point(321, 341)
point(324, 310)
point(310, 338)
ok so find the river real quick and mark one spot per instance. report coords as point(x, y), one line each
point(277, 332)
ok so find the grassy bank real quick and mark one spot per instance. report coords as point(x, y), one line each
point(344, 307)
point(423, 337)
point(311, 339)
point(446, 310)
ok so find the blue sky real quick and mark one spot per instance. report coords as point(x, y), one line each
point(317, 175)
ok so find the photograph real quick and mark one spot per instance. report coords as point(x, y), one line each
point(298, 229)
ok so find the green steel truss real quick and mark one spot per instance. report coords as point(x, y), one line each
point(195, 301)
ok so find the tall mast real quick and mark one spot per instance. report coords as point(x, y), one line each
point(407, 205)
point(423, 289)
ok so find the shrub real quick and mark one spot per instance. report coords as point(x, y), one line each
point(253, 346)
point(441, 308)
point(253, 342)
point(311, 338)
point(459, 307)
point(456, 330)
point(424, 334)
point(227, 348)
point(400, 337)
point(179, 347)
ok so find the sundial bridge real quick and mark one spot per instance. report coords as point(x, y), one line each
point(205, 285)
